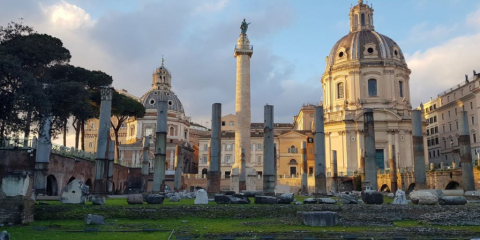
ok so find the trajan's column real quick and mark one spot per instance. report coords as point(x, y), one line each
point(243, 53)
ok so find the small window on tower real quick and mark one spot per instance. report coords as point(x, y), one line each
point(396, 52)
point(370, 50)
point(170, 102)
point(340, 54)
point(152, 101)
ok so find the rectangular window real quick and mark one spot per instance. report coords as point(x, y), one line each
point(473, 120)
point(205, 147)
point(429, 154)
point(400, 88)
point(259, 146)
point(434, 118)
point(205, 158)
point(90, 144)
point(456, 124)
point(436, 141)
point(443, 117)
point(449, 113)
point(471, 105)
point(231, 123)
point(372, 87)
point(259, 160)
point(223, 123)
point(310, 170)
point(443, 129)
point(227, 174)
point(228, 158)
point(456, 112)
point(428, 132)
point(434, 106)
point(148, 131)
point(228, 147)
point(450, 125)
point(445, 144)
point(474, 138)
point(438, 152)
point(436, 129)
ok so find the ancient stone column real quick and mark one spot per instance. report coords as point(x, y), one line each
point(160, 147)
point(465, 153)
point(304, 168)
point(370, 162)
point(111, 157)
point(335, 171)
point(243, 53)
point(214, 173)
point(178, 168)
point(145, 164)
point(42, 156)
point(269, 170)
point(101, 161)
point(242, 184)
point(418, 150)
point(320, 177)
point(393, 168)
point(362, 165)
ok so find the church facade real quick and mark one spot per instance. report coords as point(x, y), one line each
point(366, 70)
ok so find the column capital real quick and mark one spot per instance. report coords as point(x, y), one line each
point(106, 93)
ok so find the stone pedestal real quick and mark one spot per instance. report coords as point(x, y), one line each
point(250, 179)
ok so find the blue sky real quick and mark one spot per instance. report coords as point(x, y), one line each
point(126, 39)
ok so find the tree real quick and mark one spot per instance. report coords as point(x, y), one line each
point(124, 107)
point(34, 54)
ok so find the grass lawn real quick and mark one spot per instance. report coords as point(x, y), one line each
point(120, 225)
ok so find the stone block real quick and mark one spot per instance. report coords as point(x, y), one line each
point(372, 197)
point(228, 192)
point(4, 235)
point(348, 199)
point(252, 193)
point(286, 198)
point(94, 219)
point(98, 200)
point(75, 193)
point(452, 200)
point(265, 200)
point(174, 198)
point(319, 219)
point(400, 197)
point(202, 197)
point(16, 185)
point(155, 199)
point(326, 200)
point(436, 192)
point(423, 198)
point(453, 192)
point(232, 199)
point(309, 201)
point(470, 195)
point(135, 199)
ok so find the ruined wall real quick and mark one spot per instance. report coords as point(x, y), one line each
point(64, 168)
point(15, 160)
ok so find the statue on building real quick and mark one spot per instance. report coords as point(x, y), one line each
point(244, 26)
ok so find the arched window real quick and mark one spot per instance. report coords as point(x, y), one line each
point(340, 90)
point(172, 131)
point(400, 88)
point(292, 149)
point(372, 87)
point(363, 19)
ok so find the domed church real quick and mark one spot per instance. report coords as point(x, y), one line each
point(177, 126)
point(366, 70)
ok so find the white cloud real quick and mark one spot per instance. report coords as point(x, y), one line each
point(210, 6)
point(443, 66)
point(67, 16)
point(473, 19)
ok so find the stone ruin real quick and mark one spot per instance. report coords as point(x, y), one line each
point(75, 192)
point(16, 204)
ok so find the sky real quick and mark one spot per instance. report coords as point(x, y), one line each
point(127, 39)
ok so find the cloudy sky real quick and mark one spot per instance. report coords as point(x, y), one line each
point(127, 39)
